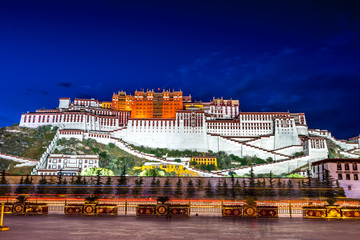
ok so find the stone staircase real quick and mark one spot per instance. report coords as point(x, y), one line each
point(261, 150)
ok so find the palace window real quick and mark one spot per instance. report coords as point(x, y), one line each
point(339, 166)
point(347, 176)
point(356, 177)
point(347, 166)
point(355, 166)
point(340, 176)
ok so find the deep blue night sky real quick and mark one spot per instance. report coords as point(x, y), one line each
point(301, 56)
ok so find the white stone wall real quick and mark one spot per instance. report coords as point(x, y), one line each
point(285, 132)
point(302, 130)
point(278, 168)
point(291, 150)
point(66, 120)
point(349, 155)
point(265, 142)
point(316, 148)
point(171, 138)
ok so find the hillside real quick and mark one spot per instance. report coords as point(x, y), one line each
point(111, 157)
point(23, 142)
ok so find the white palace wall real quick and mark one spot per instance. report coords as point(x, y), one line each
point(249, 134)
point(265, 142)
point(285, 132)
point(165, 135)
point(291, 150)
point(78, 120)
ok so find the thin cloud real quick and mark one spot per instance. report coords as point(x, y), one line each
point(64, 84)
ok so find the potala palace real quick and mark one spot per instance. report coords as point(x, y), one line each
point(168, 119)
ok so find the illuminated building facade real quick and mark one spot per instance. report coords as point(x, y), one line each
point(206, 160)
point(167, 119)
point(149, 104)
point(173, 169)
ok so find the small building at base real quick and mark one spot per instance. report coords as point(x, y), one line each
point(68, 164)
point(344, 170)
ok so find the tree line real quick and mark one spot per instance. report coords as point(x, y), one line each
point(224, 188)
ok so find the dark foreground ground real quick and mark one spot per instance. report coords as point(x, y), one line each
point(130, 227)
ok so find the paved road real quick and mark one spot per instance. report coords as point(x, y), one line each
point(199, 228)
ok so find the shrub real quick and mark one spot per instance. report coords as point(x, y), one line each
point(21, 198)
point(91, 199)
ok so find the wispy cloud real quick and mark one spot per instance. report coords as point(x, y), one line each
point(64, 84)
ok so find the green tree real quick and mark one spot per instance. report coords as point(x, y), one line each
point(290, 189)
point(317, 187)
point(244, 191)
point(190, 189)
point(29, 186)
point(167, 190)
point(281, 189)
point(208, 190)
point(219, 191)
point(251, 188)
point(5, 188)
point(237, 188)
point(108, 186)
point(155, 186)
point(99, 185)
point(233, 192)
point(178, 189)
point(42, 188)
point(259, 188)
point(122, 187)
point(60, 188)
point(309, 191)
point(65, 187)
point(328, 184)
point(302, 188)
point(80, 188)
point(158, 186)
point(96, 171)
point(339, 190)
point(269, 191)
point(225, 189)
point(199, 184)
point(85, 188)
point(138, 186)
point(20, 187)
